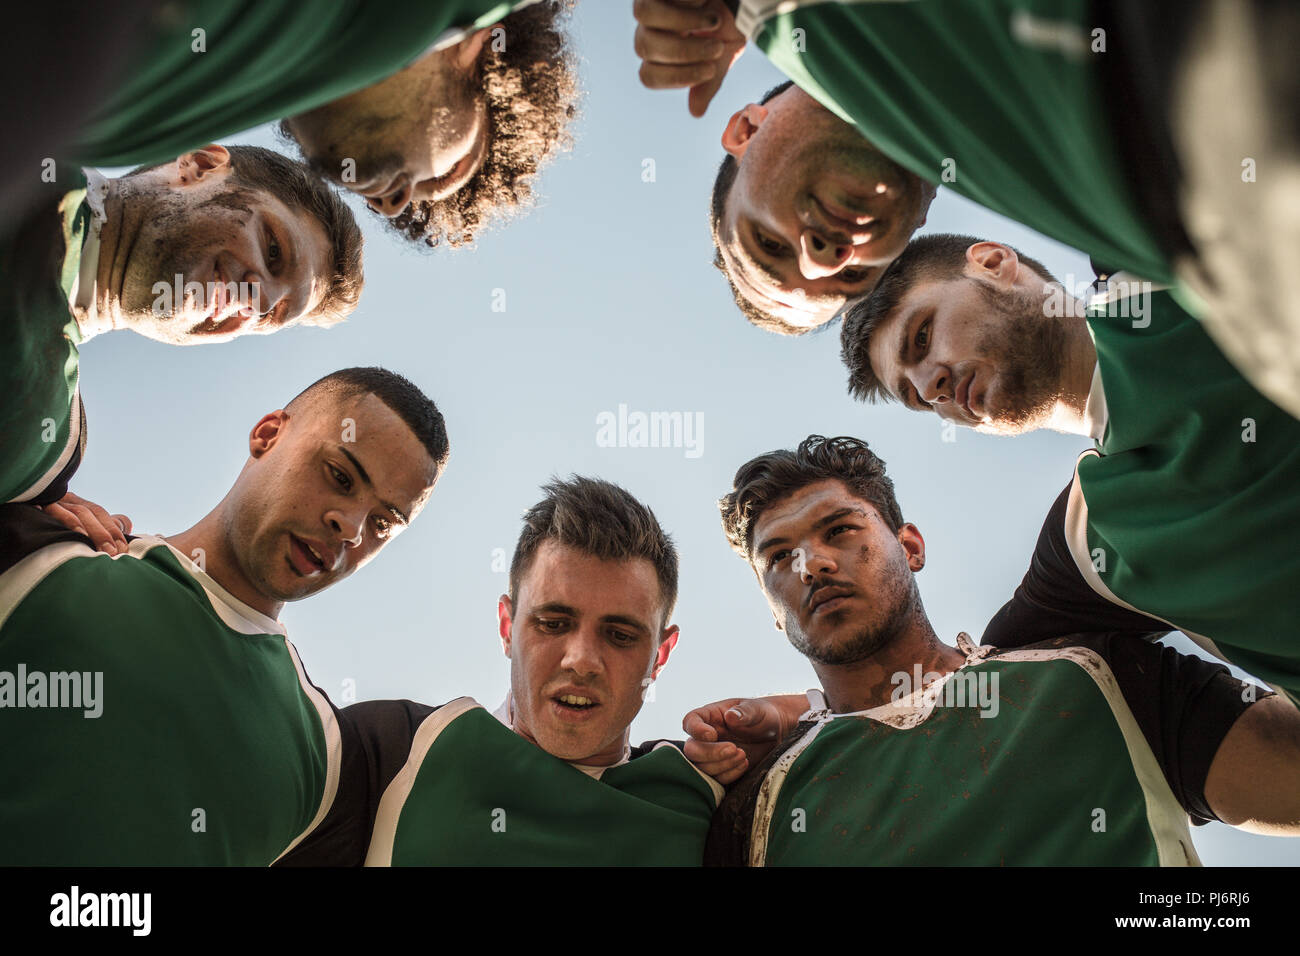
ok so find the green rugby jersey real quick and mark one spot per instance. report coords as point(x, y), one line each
point(1181, 511)
point(256, 61)
point(147, 717)
point(454, 786)
point(1084, 751)
point(41, 420)
point(1000, 100)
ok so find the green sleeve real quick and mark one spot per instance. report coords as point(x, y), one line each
point(1000, 101)
point(206, 69)
point(41, 434)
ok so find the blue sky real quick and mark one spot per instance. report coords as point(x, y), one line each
point(610, 300)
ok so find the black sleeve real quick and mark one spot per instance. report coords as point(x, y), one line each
point(25, 529)
point(1054, 599)
point(1184, 705)
point(377, 736)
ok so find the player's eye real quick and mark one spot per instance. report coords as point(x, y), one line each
point(923, 336)
point(341, 478)
point(769, 245)
point(273, 251)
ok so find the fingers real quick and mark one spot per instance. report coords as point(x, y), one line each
point(680, 16)
point(698, 727)
point(702, 94)
point(124, 523)
point(752, 721)
point(88, 518)
point(724, 762)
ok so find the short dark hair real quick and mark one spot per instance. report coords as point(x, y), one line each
point(941, 256)
point(763, 481)
point(532, 91)
point(600, 519)
point(295, 185)
point(397, 392)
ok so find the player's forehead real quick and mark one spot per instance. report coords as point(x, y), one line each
point(804, 507)
point(582, 585)
point(385, 453)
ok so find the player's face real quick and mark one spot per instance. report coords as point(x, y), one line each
point(211, 260)
point(327, 488)
point(839, 582)
point(419, 135)
point(978, 356)
point(816, 212)
point(584, 640)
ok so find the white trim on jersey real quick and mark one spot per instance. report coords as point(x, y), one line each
point(1076, 539)
point(1165, 816)
point(719, 791)
point(65, 456)
point(333, 747)
point(22, 578)
point(1167, 820)
point(380, 851)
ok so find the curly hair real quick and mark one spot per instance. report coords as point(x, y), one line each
point(532, 92)
point(763, 481)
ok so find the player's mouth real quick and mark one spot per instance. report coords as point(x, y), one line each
point(574, 705)
point(829, 597)
point(308, 559)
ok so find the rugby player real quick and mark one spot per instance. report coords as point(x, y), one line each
point(549, 778)
point(152, 709)
point(1178, 509)
point(1153, 137)
point(217, 243)
point(438, 114)
point(1084, 749)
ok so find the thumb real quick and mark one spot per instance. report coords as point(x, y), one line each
point(702, 94)
point(744, 715)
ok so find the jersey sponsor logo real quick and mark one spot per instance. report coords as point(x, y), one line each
point(58, 689)
point(74, 908)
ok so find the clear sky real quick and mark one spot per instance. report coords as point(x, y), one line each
point(610, 300)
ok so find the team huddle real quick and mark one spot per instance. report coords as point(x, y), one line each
point(1066, 734)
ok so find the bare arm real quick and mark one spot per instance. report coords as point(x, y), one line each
point(1254, 780)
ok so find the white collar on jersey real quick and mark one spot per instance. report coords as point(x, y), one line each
point(506, 714)
point(1095, 414)
point(234, 613)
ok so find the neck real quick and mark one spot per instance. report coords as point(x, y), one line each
point(872, 682)
point(1080, 359)
point(209, 547)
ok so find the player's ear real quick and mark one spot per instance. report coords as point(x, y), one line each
point(993, 262)
point(666, 644)
point(467, 51)
point(505, 615)
point(909, 536)
point(742, 126)
point(200, 164)
point(267, 432)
